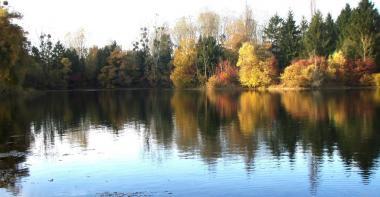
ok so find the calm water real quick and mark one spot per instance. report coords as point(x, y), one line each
point(167, 143)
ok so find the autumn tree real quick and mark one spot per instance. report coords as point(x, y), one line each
point(114, 74)
point(184, 61)
point(254, 71)
point(240, 30)
point(13, 47)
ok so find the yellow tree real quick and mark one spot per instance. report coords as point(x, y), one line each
point(184, 73)
point(254, 72)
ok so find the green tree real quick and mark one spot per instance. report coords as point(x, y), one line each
point(290, 42)
point(304, 26)
point(331, 35)
point(364, 31)
point(272, 33)
point(161, 50)
point(343, 22)
point(209, 53)
point(315, 38)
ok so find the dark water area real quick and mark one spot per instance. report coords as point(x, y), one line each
point(191, 143)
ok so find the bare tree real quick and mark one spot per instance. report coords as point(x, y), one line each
point(77, 41)
point(209, 24)
point(184, 29)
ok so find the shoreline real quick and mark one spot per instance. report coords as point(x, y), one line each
point(271, 88)
point(33, 92)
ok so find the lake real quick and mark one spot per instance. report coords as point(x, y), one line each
point(191, 143)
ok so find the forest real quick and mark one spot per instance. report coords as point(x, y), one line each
point(212, 51)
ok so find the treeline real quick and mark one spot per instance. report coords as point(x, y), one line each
point(214, 51)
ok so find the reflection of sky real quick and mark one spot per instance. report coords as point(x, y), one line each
point(120, 162)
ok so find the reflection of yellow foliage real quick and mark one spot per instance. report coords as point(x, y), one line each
point(376, 96)
point(255, 109)
point(303, 105)
point(225, 104)
point(185, 118)
point(339, 109)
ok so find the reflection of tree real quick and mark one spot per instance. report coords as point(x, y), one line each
point(305, 105)
point(14, 142)
point(344, 119)
point(185, 111)
point(211, 125)
point(226, 102)
point(256, 110)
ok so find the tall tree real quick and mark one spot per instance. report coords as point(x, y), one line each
point(331, 35)
point(243, 29)
point(364, 30)
point(272, 33)
point(209, 53)
point(304, 26)
point(77, 41)
point(315, 38)
point(184, 29)
point(290, 42)
point(161, 49)
point(13, 46)
point(343, 22)
point(184, 61)
point(209, 24)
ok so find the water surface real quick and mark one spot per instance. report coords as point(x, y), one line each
point(191, 143)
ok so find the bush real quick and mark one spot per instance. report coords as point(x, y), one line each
point(337, 70)
point(306, 73)
point(226, 75)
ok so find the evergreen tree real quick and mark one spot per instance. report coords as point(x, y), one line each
point(290, 42)
point(343, 23)
point(364, 30)
point(304, 26)
point(209, 53)
point(272, 33)
point(315, 38)
point(331, 35)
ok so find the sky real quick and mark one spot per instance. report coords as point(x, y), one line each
point(120, 20)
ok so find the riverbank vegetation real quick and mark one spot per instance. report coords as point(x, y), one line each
point(212, 51)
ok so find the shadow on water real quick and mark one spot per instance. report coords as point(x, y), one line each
point(209, 125)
